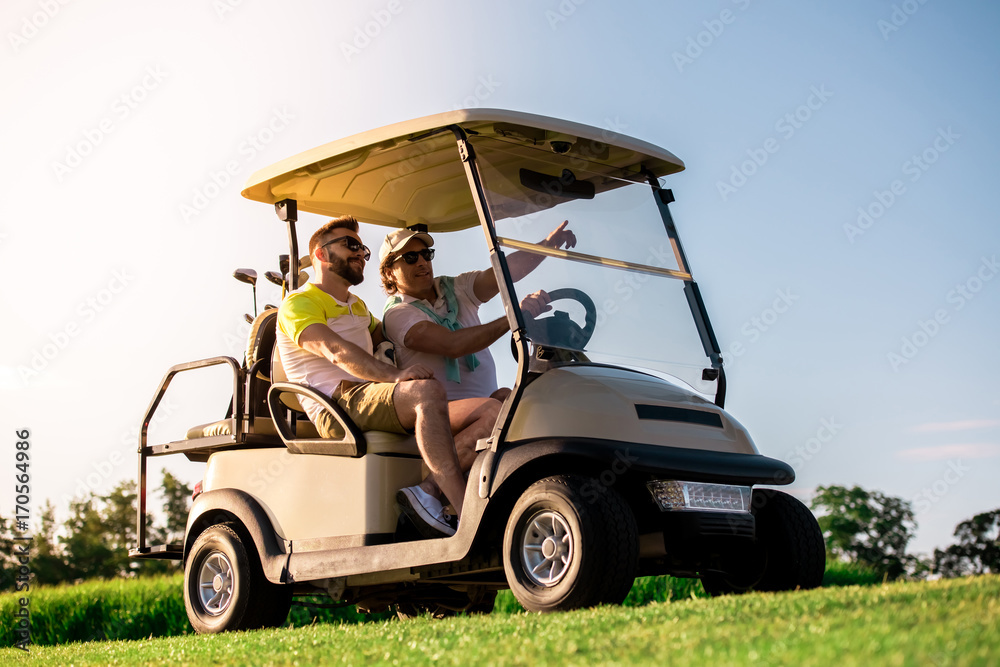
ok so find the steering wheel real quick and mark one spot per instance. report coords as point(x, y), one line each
point(559, 330)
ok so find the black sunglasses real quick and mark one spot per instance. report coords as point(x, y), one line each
point(353, 245)
point(411, 257)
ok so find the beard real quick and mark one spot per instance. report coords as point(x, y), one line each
point(343, 268)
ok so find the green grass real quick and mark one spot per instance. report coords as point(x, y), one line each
point(97, 610)
point(949, 622)
point(154, 606)
point(128, 609)
point(839, 573)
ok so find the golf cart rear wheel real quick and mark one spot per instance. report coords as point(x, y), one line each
point(225, 587)
point(570, 542)
point(789, 552)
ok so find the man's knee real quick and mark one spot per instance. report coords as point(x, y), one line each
point(429, 393)
point(501, 394)
point(491, 409)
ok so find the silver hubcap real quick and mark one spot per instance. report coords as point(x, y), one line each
point(546, 548)
point(215, 583)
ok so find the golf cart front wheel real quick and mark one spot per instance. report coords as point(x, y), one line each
point(570, 543)
point(789, 551)
point(225, 587)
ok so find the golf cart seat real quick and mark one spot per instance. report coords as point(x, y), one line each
point(284, 397)
point(257, 363)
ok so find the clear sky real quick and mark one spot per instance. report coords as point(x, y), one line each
point(836, 207)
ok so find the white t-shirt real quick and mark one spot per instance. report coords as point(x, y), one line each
point(311, 305)
point(400, 318)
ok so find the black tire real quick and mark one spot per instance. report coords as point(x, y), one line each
point(225, 587)
point(789, 550)
point(586, 535)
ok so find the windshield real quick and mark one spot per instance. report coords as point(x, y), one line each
point(618, 295)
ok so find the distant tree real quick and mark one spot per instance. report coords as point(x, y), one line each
point(88, 553)
point(48, 563)
point(118, 518)
point(8, 564)
point(978, 548)
point(867, 527)
point(44, 555)
point(96, 538)
point(176, 503)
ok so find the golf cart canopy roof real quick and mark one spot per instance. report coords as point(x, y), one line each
point(410, 172)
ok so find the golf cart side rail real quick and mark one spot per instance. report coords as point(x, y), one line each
point(146, 450)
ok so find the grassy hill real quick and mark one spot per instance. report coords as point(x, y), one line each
point(952, 622)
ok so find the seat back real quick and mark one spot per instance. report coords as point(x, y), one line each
point(278, 375)
point(260, 342)
point(260, 347)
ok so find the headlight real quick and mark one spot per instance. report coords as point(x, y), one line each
point(672, 495)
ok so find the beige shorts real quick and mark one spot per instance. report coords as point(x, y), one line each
point(369, 404)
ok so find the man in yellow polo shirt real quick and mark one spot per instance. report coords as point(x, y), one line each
point(326, 336)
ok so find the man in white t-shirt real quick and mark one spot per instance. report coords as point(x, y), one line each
point(435, 322)
point(325, 338)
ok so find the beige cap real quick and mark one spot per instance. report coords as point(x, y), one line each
point(395, 241)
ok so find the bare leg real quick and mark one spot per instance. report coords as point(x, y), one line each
point(422, 405)
point(501, 394)
point(471, 420)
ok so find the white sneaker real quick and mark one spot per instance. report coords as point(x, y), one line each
point(447, 517)
point(425, 511)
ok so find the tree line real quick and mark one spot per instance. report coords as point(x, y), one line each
point(94, 541)
point(873, 530)
point(865, 527)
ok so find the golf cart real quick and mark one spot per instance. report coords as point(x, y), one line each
point(612, 457)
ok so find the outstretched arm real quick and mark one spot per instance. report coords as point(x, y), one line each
point(323, 342)
point(436, 339)
point(522, 263)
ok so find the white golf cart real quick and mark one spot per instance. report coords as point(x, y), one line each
point(612, 457)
